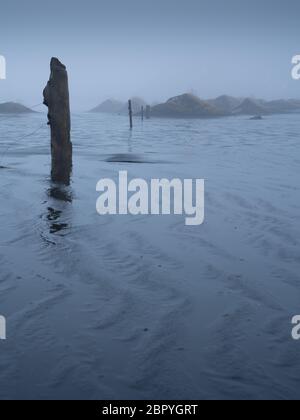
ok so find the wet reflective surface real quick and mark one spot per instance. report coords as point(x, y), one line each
point(145, 307)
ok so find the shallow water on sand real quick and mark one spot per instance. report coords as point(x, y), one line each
point(145, 307)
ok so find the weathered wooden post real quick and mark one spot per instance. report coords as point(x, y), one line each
point(56, 98)
point(142, 113)
point(130, 113)
point(148, 112)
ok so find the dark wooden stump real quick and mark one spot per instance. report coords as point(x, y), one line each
point(56, 98)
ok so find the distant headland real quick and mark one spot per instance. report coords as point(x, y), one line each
point(184, 106)
point(14, 108)
point(112, 106)
point(191, 106)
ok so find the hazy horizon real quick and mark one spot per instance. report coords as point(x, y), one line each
point(152, 50)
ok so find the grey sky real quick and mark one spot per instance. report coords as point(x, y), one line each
point(154, 49)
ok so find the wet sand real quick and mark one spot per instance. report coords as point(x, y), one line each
point(145, 307)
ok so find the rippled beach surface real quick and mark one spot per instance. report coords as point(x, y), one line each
point(144, 307)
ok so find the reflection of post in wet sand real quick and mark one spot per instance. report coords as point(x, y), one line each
point(130, 142)
point(61, 192)
point(53, 217)
point(56, 218)
point(62, 195)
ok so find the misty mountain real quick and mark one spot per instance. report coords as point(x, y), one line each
point(191, 106)
point(111, 106)
point(248, 106)
point(136, 104)
point(185, 106)
point(225, 103)
point(14, 108)
point(251, 107)
point(283, 106)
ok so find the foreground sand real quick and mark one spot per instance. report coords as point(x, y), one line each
point(145, 307)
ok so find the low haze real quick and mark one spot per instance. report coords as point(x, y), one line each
point(149, 235)
point(154, 49)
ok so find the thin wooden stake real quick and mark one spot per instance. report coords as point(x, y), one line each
point(148, 112)
point(130, 114)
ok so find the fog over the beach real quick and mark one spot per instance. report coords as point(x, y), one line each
point(154, 49)
point(145, 306)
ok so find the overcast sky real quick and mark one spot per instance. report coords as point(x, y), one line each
point(150, 48)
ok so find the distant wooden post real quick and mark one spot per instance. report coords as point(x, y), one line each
point(142, 113)
point(56, 98)
point(130, 114)
point(148, 112)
